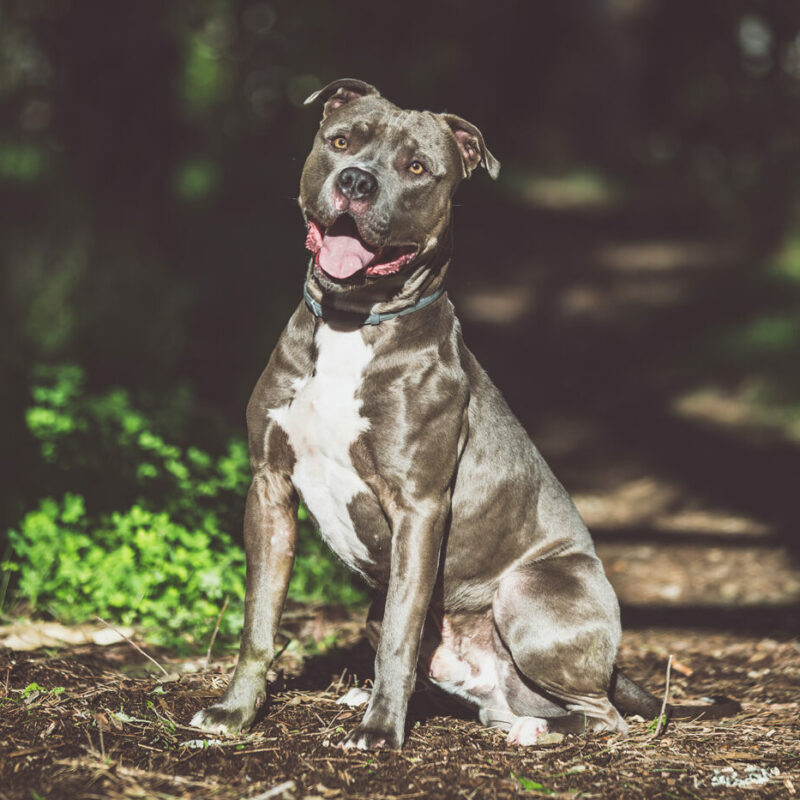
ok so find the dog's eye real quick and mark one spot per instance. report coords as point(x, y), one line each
point(339, 143)
point(416, 168)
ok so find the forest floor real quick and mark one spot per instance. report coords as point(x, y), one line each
point(102, 722)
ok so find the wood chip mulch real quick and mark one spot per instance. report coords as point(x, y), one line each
point(94, 722)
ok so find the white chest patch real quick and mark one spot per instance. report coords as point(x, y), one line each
point(322, 422)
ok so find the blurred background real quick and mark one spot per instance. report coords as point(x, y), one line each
point(631, 282)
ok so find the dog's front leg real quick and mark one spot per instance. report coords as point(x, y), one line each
point(416, 546)
point(270, 532)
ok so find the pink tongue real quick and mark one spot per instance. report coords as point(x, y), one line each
point(343, 256)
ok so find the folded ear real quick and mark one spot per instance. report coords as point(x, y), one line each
point(472, 146)
point(340, 92)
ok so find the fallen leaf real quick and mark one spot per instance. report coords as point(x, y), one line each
point(101, 720)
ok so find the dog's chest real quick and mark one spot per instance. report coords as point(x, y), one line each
point(322, 422)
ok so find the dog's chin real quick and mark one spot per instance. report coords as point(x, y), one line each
point(332, 285)
point(345, 260)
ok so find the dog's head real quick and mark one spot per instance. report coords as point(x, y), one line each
point(376, 188)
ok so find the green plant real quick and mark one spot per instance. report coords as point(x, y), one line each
point(136, 566)
point(529, 785)
point(661, 720)
point(142, 531)
point(30, 689)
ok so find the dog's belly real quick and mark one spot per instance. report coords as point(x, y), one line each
point(322, 421)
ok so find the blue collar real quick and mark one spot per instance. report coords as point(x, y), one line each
point(372, 319)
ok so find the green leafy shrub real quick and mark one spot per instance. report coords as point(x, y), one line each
point(136, 566)
point(142, 532)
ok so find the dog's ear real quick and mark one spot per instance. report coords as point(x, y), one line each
point(472, 146)
point(340, 92)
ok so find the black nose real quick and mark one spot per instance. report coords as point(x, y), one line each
point(356, 183)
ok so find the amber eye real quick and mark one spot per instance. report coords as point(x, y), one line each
point(415, 168)
point(339, 143)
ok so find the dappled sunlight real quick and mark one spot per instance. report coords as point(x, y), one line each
point(576, 190)
point(661, 505)
point(786, 265)
point(32, 635)
point(496, 305)
point(683, 576)
point(742, 411)
point(663, 256)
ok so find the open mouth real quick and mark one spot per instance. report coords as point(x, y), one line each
point(340, 251)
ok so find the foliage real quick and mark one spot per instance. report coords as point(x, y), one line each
point(529, 785)
point(132, 566)
point(163, 557)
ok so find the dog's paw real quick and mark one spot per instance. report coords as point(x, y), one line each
point(527, 730)
point(218, 719)
point(371, 738)
point(355, 697)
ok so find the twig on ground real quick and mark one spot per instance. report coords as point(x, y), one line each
point(135, 772)
point(660, 723)
point(336, 685)
point(274, 791)
point(214, 635)
point(281, 651)
point(131, 643)
point(102, 743)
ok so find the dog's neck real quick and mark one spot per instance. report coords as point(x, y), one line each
point(374, 318)
point(389, 297)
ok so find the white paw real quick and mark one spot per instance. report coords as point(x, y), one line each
point(527, 730)
point(355, 697)
point(199, 721)
point(218, 720)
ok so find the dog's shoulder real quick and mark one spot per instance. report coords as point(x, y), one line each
point(291, 361)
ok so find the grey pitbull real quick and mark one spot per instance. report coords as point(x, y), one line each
point(414, 469)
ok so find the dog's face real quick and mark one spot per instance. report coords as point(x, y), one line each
point(376, 188)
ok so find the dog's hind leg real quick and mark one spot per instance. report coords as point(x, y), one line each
point(559, 620)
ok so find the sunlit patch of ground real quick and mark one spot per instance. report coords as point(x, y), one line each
point(662, 256)
point(658, 504)
point(685, 574)
point(742, 411)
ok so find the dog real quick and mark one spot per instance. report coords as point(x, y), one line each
point(415, 471)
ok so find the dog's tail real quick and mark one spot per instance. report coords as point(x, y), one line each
point(631, 698)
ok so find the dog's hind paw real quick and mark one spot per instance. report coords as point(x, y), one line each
point(218, 719)
point(355, 697)
point(527, 730)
